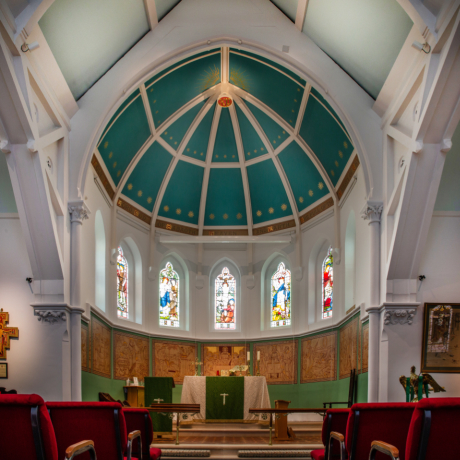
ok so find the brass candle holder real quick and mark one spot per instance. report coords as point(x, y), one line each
point(258, 368)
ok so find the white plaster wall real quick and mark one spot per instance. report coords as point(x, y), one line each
point(35, 360)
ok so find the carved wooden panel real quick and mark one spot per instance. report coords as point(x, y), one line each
point(100, 349)
point(130, 356)
point(348, 348)
point(366, 347)
point(85, 348)
point(319, 358)
point(278, 361)
point(222, 357)
point(173, 359)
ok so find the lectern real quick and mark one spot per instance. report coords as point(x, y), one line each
point(135, 395)
point(282, 432)
point(158, 390)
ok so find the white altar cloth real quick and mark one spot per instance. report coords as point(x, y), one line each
point(255, 396)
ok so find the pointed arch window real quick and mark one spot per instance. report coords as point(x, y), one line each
point(327, 284)
point(169, 296)
point(225, 300)
point(122, 285)
point(281, 297)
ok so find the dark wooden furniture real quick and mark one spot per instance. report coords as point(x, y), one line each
point(351, 392)
point(105, 397)
point(283, 413)
point(135, 395)
point(282, 431)
point(175, 409)
point(4, 391)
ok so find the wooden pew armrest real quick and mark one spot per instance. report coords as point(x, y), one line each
point(131, 437)
point(341, 439)
point(385, 448)
point(80, 447)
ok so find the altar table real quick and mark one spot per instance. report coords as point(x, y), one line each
point(241, 393)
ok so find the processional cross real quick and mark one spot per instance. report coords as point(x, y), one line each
point(6, 333)
point(224, 394)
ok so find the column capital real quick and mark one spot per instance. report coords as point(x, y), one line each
point(48, 312)
point(372, 211)
point(399, 313)
point(78, 211)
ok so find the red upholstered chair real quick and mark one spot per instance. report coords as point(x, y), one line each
point(104, 423)
point(335, 420)
point(139, 419)
point(433, 432)
point(388, 422)
point(26, 431)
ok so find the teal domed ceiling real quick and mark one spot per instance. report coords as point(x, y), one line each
point(224, 141)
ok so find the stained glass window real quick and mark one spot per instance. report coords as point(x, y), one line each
point(122, 284)
point(281, 297)
point(327, 284)
point(225, 305)
point(169, 297)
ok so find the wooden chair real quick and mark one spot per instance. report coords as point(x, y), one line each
point(388, 422)
point(26, 431)
point(433, 433)
point(334, 420)
point(139, 419)
point(104, 423)
point(351, 392)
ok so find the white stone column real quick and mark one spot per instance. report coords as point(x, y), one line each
point(372, 212)
point(78, 213)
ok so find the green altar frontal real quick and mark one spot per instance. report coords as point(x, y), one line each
point(159, 388)
point(224, 398)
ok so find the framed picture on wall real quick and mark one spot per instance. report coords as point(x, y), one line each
point(441, 338)
point(3, 370)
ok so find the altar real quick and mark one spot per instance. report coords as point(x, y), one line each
point(225, 398)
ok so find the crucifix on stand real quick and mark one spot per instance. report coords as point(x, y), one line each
point(197, 363)
point(224, 394)
point(158, 401)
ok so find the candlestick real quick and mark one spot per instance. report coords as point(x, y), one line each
point(249, 356)
point(258, 356)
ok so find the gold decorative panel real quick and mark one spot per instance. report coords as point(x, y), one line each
point(222, 357)
point(85, 366)
point(173, 359)
point(130, 356)
point(100, 348)
point(366, 347)
point(319, 358)
point(348, 348)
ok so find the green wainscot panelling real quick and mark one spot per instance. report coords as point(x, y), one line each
point(268, 196)
point(145, 180)
point(124, 138)
point(225, 203)
point(175, 133)
point(225, 150)
point(274, 132)
point(274, 88)
point(252, 143)
point(181, 200)
point(363, 383)
point(197, 146)
point(170, 93)
point(327, 139)
point(306, 181)
point(92, 385)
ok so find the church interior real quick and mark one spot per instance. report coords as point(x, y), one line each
point(229, 228)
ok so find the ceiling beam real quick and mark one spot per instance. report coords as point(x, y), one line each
point(151, 12)
point(303, 106)
point(301, 13)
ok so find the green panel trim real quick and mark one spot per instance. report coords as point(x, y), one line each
point(305, 180)
point(181, 200)
point(225, 202)
point(326, 139)
point(268, 196)
point(225, 150)
point(253, 146)
point(274, 89)
point(124, 139)
point(175, 133)
point(145, 181)
point(197, 146)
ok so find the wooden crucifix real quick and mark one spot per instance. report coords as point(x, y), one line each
point(6, 333)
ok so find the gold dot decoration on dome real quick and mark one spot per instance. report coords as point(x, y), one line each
point(225, 101)
point(225, 156)
point(175, 143)
point(190, 214)
point(194, 152)
point(284, 207)
point(274, 142)
point(114, 164)
point(321, 186)
point(211, 216)
point(139, 193)
point(156, 112)
point(298, 89)
point(271, 210)
point(151, 90)
point(301, 199)
point(345, 144)
point(201, 153)
point(340, 154)
point(178, 211)
point(165, 133)
point(259, 213)
point(336, 163)
point(233, 156)
point(310, 192)
point(170, 138)
point(130, 186)
point(155, 101)
point(188, 150)
point(239, 216)
point(255, 150)
point(118, 173)
point(110, 155)
point(249, 153)
point(217, 156)
point(106, 144)
point(210, 78)
point(149, 200)
point(225, 216)
point(166, 208)
point(261, 149)
point(332, 172)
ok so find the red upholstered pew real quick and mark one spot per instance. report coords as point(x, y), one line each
point(26, 432)
point(433, 433)
point(335, 420)
point(139, 419)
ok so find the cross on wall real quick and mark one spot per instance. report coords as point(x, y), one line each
point(6, 333)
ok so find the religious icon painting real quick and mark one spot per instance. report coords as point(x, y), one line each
point(6, 333)
point(169, 297)
point(122, 284)
point(327, 284)
point(441, 338)
point(225, 295)
point(281, 297)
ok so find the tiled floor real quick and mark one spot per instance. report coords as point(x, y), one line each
point(248, 440)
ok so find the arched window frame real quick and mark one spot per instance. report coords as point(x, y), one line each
point(122, 285)
point(350, 261)
point(327, 285)
point(280, 292)
point(100, 259)
point(170, 297)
